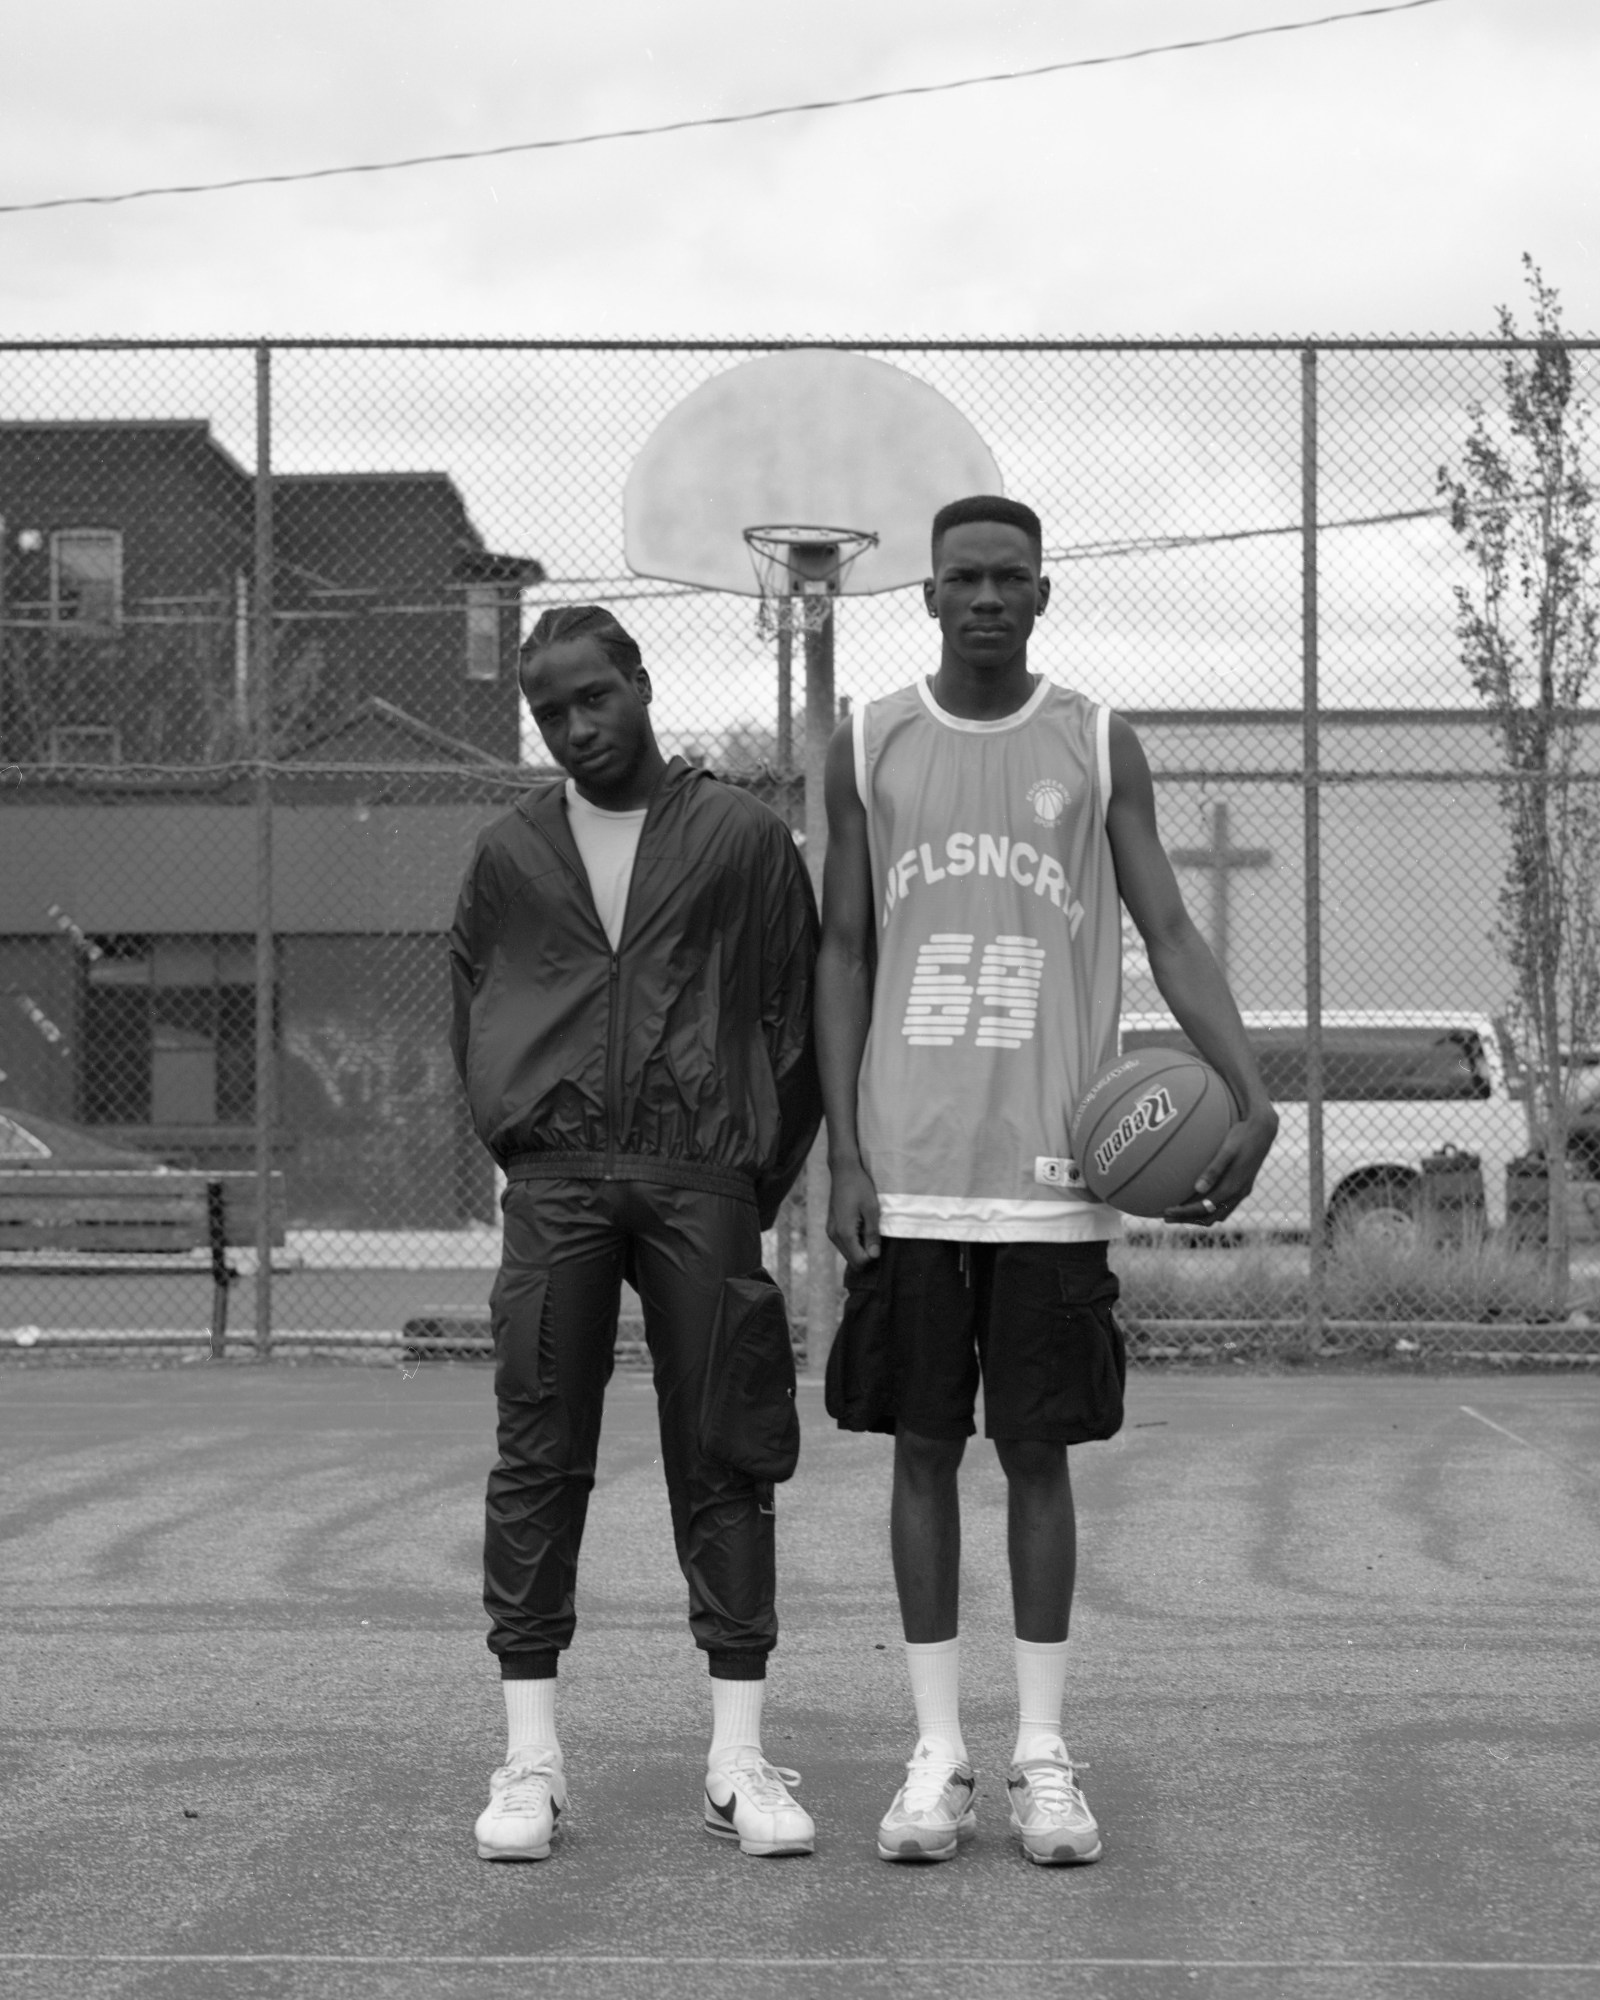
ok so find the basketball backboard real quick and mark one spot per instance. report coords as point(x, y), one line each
point(809, 435)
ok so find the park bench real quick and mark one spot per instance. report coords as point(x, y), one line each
point(99, 1219)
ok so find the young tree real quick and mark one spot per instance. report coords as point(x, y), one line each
point(1528, 629)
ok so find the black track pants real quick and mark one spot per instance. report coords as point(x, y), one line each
point(554, 1312)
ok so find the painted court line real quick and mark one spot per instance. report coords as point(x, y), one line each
point(813, 1964)
point(1544, 1451)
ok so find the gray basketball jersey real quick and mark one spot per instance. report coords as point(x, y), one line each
point(999, 969)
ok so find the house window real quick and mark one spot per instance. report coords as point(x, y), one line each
point(86, 579)
point(483, 632)
point(168, 1036)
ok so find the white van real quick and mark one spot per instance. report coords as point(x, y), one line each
point(1396, 1087)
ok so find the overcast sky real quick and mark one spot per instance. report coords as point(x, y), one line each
point(1371, 176)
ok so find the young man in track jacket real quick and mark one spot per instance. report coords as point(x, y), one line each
point(632, 964)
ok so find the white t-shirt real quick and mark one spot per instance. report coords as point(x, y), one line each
point(607, 843)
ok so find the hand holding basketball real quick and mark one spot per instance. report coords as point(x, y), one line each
point(1148, 1126)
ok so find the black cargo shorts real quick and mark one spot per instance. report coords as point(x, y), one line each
point(925, 1321)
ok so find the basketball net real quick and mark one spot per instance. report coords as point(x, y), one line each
point(799, 571)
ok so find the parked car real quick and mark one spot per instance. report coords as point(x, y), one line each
point(1396, 1087)
point(48, 1145)
point(1583, 1112)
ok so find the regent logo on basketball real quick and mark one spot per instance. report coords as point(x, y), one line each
point(1148, 1115)
point(1147, 1126)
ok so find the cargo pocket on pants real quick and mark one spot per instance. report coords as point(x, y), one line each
point(519, 1318)
point(858, 1388)
point(1097, 1374)
point(748, 1419)
point(1071, 1361)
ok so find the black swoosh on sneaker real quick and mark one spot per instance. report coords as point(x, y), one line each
point(723, 1812)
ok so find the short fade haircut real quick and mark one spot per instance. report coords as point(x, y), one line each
point(988, 507)
point(581, 621)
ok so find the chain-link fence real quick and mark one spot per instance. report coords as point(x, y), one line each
point(260, 607)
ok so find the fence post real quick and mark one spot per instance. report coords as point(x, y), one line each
point(261, 674)
point(784, 608)
point(1317, 1262)
point(785, 743)
point(821, 1285)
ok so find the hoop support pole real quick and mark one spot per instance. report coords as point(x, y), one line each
point(822, 1277)
point(812, 562)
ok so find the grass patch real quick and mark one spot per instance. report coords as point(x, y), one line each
point(1483, 1282)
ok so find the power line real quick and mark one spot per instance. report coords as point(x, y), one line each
point(1138, 545)
point(1127, 545)
point(704, 124)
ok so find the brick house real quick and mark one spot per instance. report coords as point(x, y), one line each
point(128, 893)
point(126, 580)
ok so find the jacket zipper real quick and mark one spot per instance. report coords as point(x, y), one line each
point(613, 1080)
point(613, 1007)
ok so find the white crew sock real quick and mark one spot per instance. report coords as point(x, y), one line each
point(530, 1717)
point(735, 1719)
point(935, 1672)
point(1041, 1688)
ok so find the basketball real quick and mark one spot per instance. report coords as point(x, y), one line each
point(1147, 1126)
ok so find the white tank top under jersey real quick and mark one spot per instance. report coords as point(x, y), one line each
point(607, 843)
point(999, 973)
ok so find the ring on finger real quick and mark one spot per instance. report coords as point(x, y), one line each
point(1208, 1204)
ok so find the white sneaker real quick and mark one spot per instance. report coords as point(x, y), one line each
point(526, 1798)
point(747, 1800)
point(1050, 1812)
point(932, 1811)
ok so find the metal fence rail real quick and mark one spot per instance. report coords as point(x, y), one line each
point(259, 611)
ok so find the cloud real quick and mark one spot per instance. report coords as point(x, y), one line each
point(1367, 176)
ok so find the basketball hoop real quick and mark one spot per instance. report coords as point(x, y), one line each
point(799, 571)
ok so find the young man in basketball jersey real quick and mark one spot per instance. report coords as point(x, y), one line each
point(632, 963)
point(985, 828)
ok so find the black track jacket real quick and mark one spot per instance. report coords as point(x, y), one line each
point(684, 1057)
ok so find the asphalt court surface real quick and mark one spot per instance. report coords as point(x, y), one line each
point(1334, 1679)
